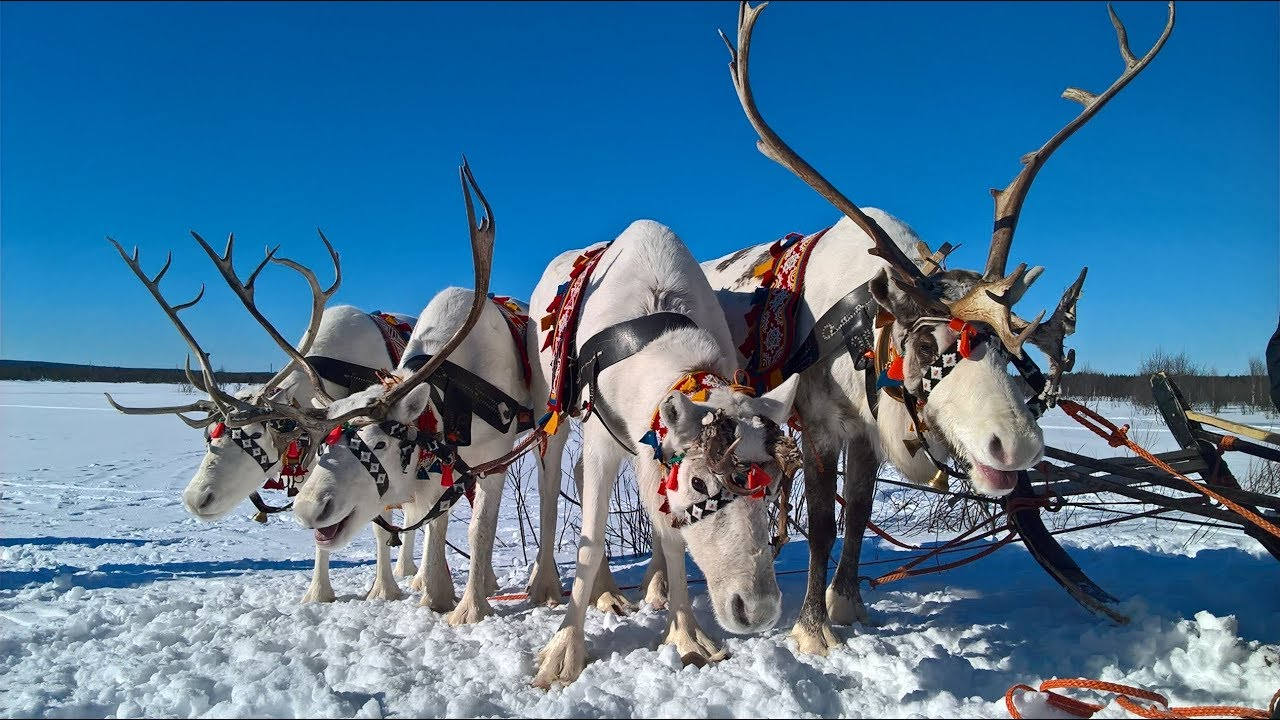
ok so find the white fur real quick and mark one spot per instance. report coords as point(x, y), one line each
point(340, 491)
point(647, 270)
point(977, 408)
point(227, 475)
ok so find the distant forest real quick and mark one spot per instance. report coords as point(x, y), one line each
point(1203, 387)
point(68, 372)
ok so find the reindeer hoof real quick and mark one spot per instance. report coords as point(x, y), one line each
point(468, 613)
point(815, 640)
point(406, 569)
point(695, 647)
point(617, 604)
point(381, 591)
point(655, 590)
point(562, 660)
point(318, 596)
point(544, 587)
point(846, 610)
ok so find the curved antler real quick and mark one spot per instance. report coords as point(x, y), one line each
point(908, 276)
point(245, 291)
point(1049, 336)
point(221, 400)
point(482, 238)
point(993, 297)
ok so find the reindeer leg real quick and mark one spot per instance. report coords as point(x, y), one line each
point(812, 631)
point(565, 656)
point(433, 579)
point(320, 589)
point(844, 600)
point(384, 584)
point(654, 584)
point(544, 582)
point(695, 646)
point(405, 567)
point(606, 595)
point(481, 581)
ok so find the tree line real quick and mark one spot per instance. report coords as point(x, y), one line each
point(70, 372)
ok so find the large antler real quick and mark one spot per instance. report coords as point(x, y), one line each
point(994, 297)
point(909, 277)
point(1050, 335)
point(245, 291)
point(482, 237)
point(221, 401)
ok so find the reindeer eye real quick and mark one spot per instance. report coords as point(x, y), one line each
point(700, 485)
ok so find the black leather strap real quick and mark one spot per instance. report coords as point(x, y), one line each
point(613, 345)
point(342, 373)
point(848, 325)
point(459, 393)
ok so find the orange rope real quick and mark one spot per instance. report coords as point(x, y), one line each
point(1124, 695)
point(1119, 436)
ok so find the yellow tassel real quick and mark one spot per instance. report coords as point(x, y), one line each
point(553, 424)
point(763, 268)
point(548, 321)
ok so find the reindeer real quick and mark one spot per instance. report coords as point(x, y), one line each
point(237, 462)
point(699, 457)
point(370, 459)
point(954, 332)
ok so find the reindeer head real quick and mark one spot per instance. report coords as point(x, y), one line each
point(368, 455)
point(956, 331)
point(728, 455)
point(244, 447)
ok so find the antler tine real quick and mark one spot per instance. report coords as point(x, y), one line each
point(775, 149)
point(1049, 336)
point(1009, 201)
point(220, 399)
point(482, 238)
point(319, 298)
point(197, 406)
point(245, 291)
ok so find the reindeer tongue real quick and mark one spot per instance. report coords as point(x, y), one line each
point(325, 534)
point(993, 481)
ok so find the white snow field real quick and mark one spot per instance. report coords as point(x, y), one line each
point(115, 603)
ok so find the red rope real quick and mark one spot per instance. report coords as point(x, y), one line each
point(1124, 698)
point(1119, 436)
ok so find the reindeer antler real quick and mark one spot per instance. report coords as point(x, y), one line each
point(482, 238)
point(1049, 336)
point(245, 291)
point(221, 401)
point(984, 300)
point(909, 277)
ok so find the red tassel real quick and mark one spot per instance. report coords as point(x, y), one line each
point(757, 478)
point(334, 436)
point(666, 507)
point(967, 332)
point(895, 369)
point(446, 476)
point(293, 453)
point(672, 482)
point(273, 484)
point(216, 432)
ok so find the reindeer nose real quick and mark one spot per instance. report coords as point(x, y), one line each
point(326, 509)
point(996, 448)
point(205, 500)
point(739, 609)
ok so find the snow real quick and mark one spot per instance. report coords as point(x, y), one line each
point(115, 603)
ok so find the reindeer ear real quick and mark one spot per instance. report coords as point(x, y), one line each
point(683, 418)
point(893, 299)
point(776, 404)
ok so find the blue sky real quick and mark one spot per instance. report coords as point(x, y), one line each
point(142, 121)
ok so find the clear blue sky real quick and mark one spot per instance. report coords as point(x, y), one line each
point(141, 121)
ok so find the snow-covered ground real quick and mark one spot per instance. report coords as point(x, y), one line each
point(114, 602)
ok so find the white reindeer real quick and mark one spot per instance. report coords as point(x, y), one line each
point(723, 447)
point(954, 331)
point(371, 459)
point(238, 461)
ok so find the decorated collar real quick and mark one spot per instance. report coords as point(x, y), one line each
point(698, 386)
point(889, 361)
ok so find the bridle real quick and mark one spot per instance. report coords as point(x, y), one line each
point(889, 365)
point(753, 482)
